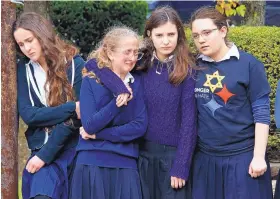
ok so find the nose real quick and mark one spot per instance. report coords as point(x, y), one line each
point(165, 40)
point(27, 47)
point(201, 39)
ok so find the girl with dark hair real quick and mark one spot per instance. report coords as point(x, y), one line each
point(166, 71)
point(48, 80)
point(107, 152)
point(232, 95)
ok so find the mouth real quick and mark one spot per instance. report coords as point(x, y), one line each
point(166, 48)
point(204, 47)
point(31, 54)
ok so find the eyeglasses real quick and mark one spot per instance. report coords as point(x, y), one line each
point(135, 53)
point(205, 34)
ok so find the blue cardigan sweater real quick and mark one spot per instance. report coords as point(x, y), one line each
point(38, 117)
point(116, 128)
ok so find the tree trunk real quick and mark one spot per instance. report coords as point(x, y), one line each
point(255, 13)
point(9, 126)
point(40, 7)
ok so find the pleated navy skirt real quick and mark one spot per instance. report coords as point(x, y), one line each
point(216, 177)
point(94, 182)
point(51, 180)
point(154, 164)
point(277, 188)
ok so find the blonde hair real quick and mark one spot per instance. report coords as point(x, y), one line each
point(110, 43)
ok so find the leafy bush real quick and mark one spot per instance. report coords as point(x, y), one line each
point(84, 23)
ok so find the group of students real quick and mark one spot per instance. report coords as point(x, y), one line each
point(142, 118)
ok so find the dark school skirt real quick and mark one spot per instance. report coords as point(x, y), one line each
point(277, 188)
point(154, 164)
point(227, 177)
point(51, 180)
point(94, 182)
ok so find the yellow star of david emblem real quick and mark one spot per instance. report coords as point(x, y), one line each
point(217, 85)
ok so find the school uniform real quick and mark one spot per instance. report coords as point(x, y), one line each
point(167, 146)
point(52, 132)
point(232, 95)
point(106, 166)
point(277, 121)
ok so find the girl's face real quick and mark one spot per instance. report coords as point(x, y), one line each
point(165, 38)
point(28, 44)
point(124, 57)
point(208, 38)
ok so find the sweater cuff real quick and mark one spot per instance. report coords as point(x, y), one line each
point(179, 171)
point(48, 154)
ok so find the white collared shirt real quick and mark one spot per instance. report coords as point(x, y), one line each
point(41, 78)
point(233, 52)
point(128, 78)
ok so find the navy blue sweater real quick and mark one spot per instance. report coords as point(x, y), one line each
point(225, 92)
point(39, 116)
point(171, 111)
point(116, 128)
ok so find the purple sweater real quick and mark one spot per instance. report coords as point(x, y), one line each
point(171, 112)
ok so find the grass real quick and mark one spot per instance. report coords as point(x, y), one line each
point(19, 188)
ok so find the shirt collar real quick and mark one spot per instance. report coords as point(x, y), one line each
point(128, 78)
point(233, 52)
point(170, 58)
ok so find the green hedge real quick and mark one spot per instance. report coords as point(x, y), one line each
point(84, 23)
point(263, 43)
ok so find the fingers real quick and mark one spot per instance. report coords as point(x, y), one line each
point(122, 99)
point(85, 135)
point(256, 172)
point(34, 164)
point(177, 183)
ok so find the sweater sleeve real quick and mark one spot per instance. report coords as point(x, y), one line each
point(63, 131)
point(188, 132)
point(258, 84)
point(35, 116)
point(79, 65)
point(93, 120)
point(131, 130)
point(277, 106)
point(107, 77)
point(60, 134)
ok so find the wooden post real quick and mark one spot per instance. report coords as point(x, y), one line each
point(9, 117)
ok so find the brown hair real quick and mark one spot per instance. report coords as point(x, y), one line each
point(55, 51)
point(183, 60)
point(211, 13)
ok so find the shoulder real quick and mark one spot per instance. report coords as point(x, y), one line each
point(21, 68)
point(78, 58)
point(249, 58)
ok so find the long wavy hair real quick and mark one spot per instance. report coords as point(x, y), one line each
point(183, 59)
point(57, 53)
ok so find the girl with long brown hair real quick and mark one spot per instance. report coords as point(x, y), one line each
point(49, 79)
point(167, 72)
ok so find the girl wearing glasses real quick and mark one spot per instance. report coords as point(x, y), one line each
point(107, 151)
point(167, 148)
point(232, 95)
point(48, 80)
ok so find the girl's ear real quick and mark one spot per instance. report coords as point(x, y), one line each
point(148, 33)
point(224, 31)
point(110, 55)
